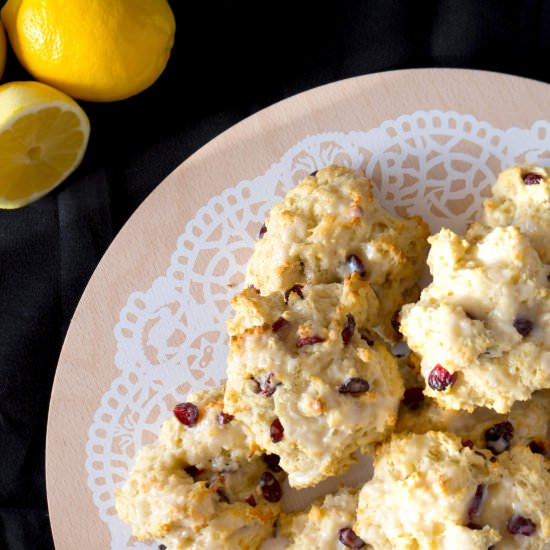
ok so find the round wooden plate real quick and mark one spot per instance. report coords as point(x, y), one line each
point(142, 250)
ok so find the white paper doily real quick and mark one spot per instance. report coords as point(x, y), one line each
point(171, 338)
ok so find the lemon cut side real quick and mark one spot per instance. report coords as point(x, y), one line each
point(43, 138)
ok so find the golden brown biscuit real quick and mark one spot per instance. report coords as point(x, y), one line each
point(331, 224)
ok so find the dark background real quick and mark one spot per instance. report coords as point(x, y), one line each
point(229, 60)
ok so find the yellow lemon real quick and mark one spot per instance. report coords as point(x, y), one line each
point(97, 50)
point(2, 50)
point(43, 137)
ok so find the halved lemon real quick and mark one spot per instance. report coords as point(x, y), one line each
point(43, 137)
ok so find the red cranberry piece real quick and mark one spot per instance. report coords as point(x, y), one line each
point(162, 547)
point(272, 462)
point(186, 413)
point(413, 398)
point(280, 323)
point(256, 290)
point(468, 443)
point(349, 329)
point(224, 418)
point(355, 265)
point(349, 539)
point(270, 385)
point(477, 501)
point(262, 232)
point(354, 386)
point(532, 179)
point(440, 378)
point(537, 447)
point(271, 489)
point(256, 388)
point(297, 289)
point(276, 431)
point(308, 341)
point(518, 525)
point(222, 495)
point(251, 501)
point(498, 437)
point(523, 326)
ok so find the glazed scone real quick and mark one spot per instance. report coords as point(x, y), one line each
point(331, 224)
point(305, 383)
point(198, 485)
point(326, 525)
point(482, 327)
point(521, 197)
point(420, 494)
point(430, 492)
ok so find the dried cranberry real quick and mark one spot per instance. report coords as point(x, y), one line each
point(354, 386)
point(532, 179)
point(498, 437)
point(349, 539)
point(276, 431)
point(222, 495)
point(413, 398)
point(262, 232)
point(308, 340)
point(251, 501)
point(518, 525)
point(256, 290)
point(272, 462)
point(349, 329)
point(523, 326)
point(186, 413)
point(537, 447)
point(224, 418)
point(280, 323)
point(256, 388)
point(477, 501)
point(162, 547)
point(468, 443)
point(270, 385)
point(271, 489)
point(355, 265)
point(297, 289)
point(440, 378)
point(474, 526)
point(193, 471)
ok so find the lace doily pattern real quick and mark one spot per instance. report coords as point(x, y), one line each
point(171, 338)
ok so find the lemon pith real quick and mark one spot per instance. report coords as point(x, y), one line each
point(95, 50)
point(43, 137)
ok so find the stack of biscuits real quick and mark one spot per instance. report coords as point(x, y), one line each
point(459, 427)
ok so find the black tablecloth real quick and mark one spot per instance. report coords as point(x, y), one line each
point(229, 60)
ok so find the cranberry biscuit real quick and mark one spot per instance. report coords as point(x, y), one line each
point(326, 525)
point(430, 492)
point(521, 197)
point(482, 327)
point(303, 380)
point(198, 485)
point(331, 224)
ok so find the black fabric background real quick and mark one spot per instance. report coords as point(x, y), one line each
point(229, 60)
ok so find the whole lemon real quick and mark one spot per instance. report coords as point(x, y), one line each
point(96, 50)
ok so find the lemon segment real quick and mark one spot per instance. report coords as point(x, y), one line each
point(43, 137)
point(96, 51)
